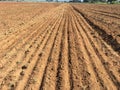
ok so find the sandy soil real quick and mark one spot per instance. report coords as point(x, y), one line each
point(59, 47)
point(105, 18)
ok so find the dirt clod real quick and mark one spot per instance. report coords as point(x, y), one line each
point(24, 67)
point(22, 73)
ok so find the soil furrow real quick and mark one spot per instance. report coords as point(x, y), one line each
point(107, 38)
point(85, 73)
point(74, 64)
point(36, 62)
point(107, 13)
point(102, 57)
point(49, 59)
point(31, 53)
point(92, 66)
point(26, 40)
point(97, 63)
point(62, 81)
point(49, 80)
point(45, 47)
point(90, 74)
point(25, 51)
point(35, 28)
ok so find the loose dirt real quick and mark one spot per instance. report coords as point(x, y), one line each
point(50, 46)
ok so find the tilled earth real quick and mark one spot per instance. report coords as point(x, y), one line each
point(50, 46)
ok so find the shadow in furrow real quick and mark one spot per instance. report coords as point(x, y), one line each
point(49, 59)
point(107, 38)
point(110, 73)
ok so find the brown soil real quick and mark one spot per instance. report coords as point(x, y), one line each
point(57, 47)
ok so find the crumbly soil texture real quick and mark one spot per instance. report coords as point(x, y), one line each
point(55, 46)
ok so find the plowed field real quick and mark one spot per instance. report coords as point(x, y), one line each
point(50, 46)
